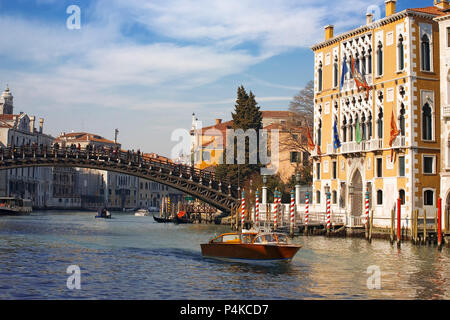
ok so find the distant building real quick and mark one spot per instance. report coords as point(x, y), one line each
point(209, 143)
point(17, 130)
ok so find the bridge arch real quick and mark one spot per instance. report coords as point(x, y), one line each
point(200, 184)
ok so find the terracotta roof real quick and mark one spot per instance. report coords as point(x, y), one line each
point(430, 10)
point(82, 137)
point(7, 116)
point(277, 114)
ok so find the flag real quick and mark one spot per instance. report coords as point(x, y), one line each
point(336, 141)
point(394, 133)
point(358, 138)
point(344, 71)
point(360, 80)
point(311, 144)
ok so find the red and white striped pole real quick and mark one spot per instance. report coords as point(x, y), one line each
point(257, 209)
point(328, 212)
point(275, 210)
point(243, 210)
point(306, 208)
point(279, 206)
point(367, 209)
point(292, 213)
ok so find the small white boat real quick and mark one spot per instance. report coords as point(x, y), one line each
point(142, 213)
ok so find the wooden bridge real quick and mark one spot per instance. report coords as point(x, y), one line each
point(201, 184)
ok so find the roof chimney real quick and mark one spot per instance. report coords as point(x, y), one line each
point(369, 18)
point(329, 30)
point(441, 4)
point(218, 121)
point(41, 125)
point(32, 121)
point(390, 7)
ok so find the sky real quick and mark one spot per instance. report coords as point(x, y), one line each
point(144, 66)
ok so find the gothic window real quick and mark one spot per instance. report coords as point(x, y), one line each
point(320, 77)
point(369, 126)
point(363, 127)
point(369, 61)
point(379, 197)
point(335, 73)
point(402, 120)
point(319, 133)
point(380, 59)
point(380, 124)
point(350, 127)
point(427, 130)
point(425, 53)
point(401, 54)
point(401, 195)
point(344, 129)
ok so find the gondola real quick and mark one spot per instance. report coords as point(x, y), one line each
point(162, 220)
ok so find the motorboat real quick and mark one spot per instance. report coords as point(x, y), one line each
point(103, 213)
point(250, 246)
point(15, 206)
point(142, 213)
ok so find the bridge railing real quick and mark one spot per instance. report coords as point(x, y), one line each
point(206, 178)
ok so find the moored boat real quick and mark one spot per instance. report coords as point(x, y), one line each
point(142, 213)
point(15, 206)
point(250, 246)
point(103, 213)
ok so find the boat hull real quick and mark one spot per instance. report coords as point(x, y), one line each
point(249, 252)
point(15, 212)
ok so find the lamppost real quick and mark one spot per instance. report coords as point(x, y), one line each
point(328, 194)
point(297, 188)
point(264, 190)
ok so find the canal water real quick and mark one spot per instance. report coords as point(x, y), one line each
point(132, 257)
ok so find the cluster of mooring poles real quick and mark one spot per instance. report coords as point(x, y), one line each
point(273, 218)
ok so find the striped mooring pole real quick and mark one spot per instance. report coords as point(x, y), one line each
point(257, 209)
point(306, 211)
point(275, 210)
point(366, 215)
point(243, 209)
point(279, 206)
point(292, 213)
point(328, 213)
point(399, 219)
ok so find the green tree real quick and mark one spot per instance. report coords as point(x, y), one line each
point(246, 116)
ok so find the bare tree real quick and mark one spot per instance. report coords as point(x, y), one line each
point(302, 105)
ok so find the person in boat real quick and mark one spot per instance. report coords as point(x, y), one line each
point(104, 212)
point(108, 214)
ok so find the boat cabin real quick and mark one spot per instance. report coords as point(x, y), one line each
point(251, 237)
point(11, 202)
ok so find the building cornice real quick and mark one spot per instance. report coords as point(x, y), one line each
point(372, 26)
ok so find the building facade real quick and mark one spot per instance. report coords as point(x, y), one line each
point(444, 44)
point(398, 56)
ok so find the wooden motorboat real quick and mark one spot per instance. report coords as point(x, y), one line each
point(250, 246)
point(103, 213)
point(15, 206)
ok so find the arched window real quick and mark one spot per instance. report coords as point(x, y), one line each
point(380, 124)
point(369, 126)
point(319, 133)
point(320, 77)
point(401, 195)
point(350, 127)
point(428, 198)
point(335, 73)
point(402, 120)
point(363, 127)
point(380, 59)
point(344, 130)
point(427, 130)
point(318, 197)
point(425, 53)
point(369, 61)
point(401, 54)
point(334, 197)
point(379, 197)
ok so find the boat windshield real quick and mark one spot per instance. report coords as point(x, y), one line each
point(227, 238)
point(247, 237)
point(271, 238)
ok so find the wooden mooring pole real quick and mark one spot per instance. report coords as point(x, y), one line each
point(424, 240)
point(370, 227)
point(399, 218)
point(439, 226)
point(392, 226)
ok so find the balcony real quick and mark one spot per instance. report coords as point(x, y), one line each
point(399, 142)
point(364, 146)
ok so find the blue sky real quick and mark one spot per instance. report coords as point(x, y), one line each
point(145, 66)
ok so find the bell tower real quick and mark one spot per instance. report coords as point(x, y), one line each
point(6, 102)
